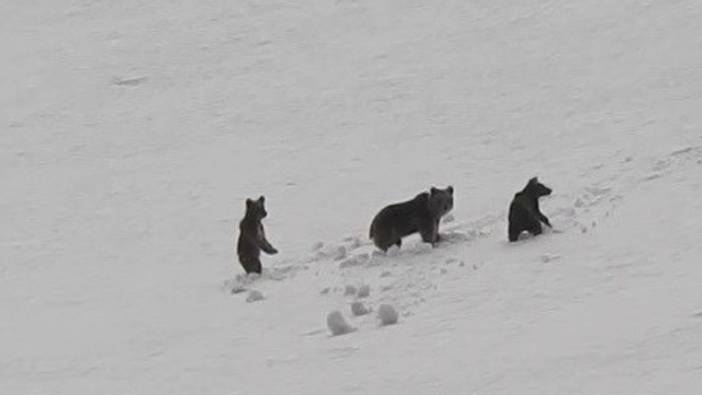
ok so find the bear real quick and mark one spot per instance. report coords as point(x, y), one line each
point(524, 213)
point(421, 214)
point(252, 238)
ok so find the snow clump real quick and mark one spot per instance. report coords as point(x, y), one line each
point(337, 324)
point(387, 315)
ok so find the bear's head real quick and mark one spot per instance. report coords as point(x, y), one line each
point(536, 189)
point(256, 209)
point(440, 201)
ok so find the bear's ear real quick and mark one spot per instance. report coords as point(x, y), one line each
point(433, 190)
point(534, 181)
point(249, 203)
point(450, 189)
point(261, 199)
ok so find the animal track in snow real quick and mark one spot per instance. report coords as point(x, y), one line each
point(129, 82)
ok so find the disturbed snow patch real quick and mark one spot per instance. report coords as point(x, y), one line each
point(254, 296)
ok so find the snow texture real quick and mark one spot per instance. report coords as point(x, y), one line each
point(254, 296)
point(132, 132)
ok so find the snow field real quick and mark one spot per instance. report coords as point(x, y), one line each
point(132, 133)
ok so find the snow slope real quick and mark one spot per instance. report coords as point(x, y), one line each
point(132, 132)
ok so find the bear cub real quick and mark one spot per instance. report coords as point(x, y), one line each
point(252, 238)
point(421, 214)
point(524, 213)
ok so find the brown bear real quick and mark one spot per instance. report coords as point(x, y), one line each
point(421, 214)
point(252, 238)
point(524, 213)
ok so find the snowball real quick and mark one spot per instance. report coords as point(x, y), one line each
point(358, 308)
point(387, 315)
point(364, 291)
point(337, 324)
point(254, 296)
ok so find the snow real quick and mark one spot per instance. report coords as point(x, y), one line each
point(254, 296)
point(387, 315)
point(337, 324)
point(358, 308)
point(132, 132)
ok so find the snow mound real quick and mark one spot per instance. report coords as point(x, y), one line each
point(254, 296)
point(387, 315)
point(358, 309)
point(337, 324)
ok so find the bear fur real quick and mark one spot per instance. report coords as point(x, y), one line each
point(252, 238)
point(524, 213)
point(421, 214)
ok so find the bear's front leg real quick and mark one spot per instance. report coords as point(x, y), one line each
point(536, 228)
point(429, 235)
point(437, 237)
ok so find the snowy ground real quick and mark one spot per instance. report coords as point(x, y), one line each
point(131, 132)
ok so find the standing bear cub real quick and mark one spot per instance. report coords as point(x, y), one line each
point(421, 214)
point(524, 213)
point(252, 238)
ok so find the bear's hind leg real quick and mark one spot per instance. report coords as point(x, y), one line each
point(514, 235)
point(251, 264)
point(536, 228)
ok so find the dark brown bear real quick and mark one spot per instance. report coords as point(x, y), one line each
point(421, 214)
point(252, 238)
point(524, 213)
